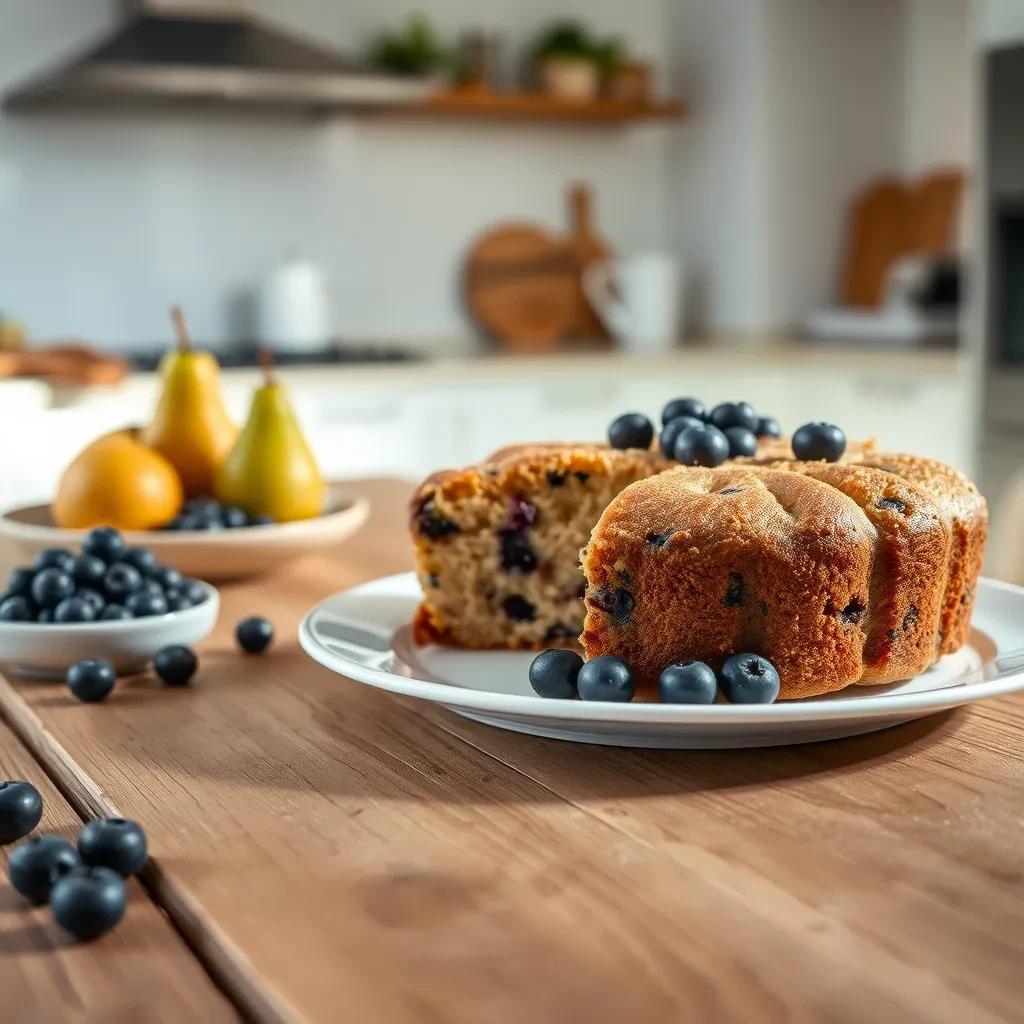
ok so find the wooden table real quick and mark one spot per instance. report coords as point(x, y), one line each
point(326, 852)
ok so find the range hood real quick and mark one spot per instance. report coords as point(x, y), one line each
point(210, 53)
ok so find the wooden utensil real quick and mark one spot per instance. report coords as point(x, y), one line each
point(586, 247)
point(67, 363)
point(521, 286)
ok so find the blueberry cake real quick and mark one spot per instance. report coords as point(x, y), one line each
point(497, 545)
point(855, 572)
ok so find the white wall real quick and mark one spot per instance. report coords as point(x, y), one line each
point(105, 220)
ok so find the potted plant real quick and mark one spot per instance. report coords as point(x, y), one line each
point(413, 49)
point(568, 62)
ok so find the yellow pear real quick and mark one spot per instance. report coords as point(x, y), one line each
point(190, 427)
point(271, 469)
point(117, 481)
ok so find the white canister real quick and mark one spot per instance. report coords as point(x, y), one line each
point(294, 312)
point(638, 298)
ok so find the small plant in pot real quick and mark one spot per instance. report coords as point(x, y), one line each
point(570, 64)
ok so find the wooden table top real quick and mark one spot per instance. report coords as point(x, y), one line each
point(330, 852)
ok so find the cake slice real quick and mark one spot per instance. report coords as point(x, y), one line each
point(497, 545)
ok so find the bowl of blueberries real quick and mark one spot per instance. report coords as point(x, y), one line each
point(206, 538)
point(109, 599)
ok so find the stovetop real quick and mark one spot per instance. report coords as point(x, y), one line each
point(248, 355)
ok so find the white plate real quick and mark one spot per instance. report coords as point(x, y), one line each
point(208, 555)
point(364, 634)
point(45, 651)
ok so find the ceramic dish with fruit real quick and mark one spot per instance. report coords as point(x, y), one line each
point(107, 600)
point(205, 497)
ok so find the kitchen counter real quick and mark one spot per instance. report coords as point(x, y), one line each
point(330, 851)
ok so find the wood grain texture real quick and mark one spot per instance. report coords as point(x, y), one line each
point(338, 853)
point(141, 972)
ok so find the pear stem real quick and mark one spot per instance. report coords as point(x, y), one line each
point(267, 364)
point(180, 330)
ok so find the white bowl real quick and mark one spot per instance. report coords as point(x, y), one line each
point(45, 650)
point(206, 554)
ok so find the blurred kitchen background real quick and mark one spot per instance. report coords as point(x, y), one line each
point(465, 223)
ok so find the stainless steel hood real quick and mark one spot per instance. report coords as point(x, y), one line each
point(210, 53)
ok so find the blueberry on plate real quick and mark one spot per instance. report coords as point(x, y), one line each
point(104, 542)
point(749, 679)
point(88, 901)
point(141, 558)
point(54, 558)
point(185, 521)
point(819, 441)
point(16, 609)
point(741, 442)
point(254, 634)
point(702, 446)
point(36, 865)
point(87, 570)
point(553, 673)
point(51, 586)
point(175, 664)
point(115, 612)
point(606, 678)
point(21, 807)
point(631, 430)
point(145, 604)
point(166, 576)
point(90, 680)
point(689, 682)
point(733, 414)
point(74, 609)
point(234, 518)
point(671, 431)
point(114, 843)
point(19, 583)
point(203, 505)
point(768, 426)
point(693, 407)
point(194, 590)
point(121, 579)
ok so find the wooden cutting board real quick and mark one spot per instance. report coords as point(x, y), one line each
point(586, 247)
point(521, 286)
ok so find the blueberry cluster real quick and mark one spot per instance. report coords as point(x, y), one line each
point(83, 884)
point(743, 679)
point(209, 514)
point(695, 435)
point(107, 580)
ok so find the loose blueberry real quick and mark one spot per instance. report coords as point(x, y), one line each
point(74, 609)
point(733, 414)
point(254, 634)
point(553, 673)
point(671, 431)
point(702, 446)
point(21, 807)
point(683, 407)
point(16, 609)
point(115, 612)
point(689, 682)
point(194, 590)
point(121, 579)
point(54, 558)
point(87, 570)
point(175, 665)
point(36, 865)
point(234, 518)
point(141, 558)
point(819, 441)
point(749, 679)
point(51, 586)
point(606, 678)
point(768, 426)
point(91, 680)
point(114, 843)
point(104, 542)
point(19, 583)
point(631, 430)
point(88, 901)
point(146, 603)
point(742, 442)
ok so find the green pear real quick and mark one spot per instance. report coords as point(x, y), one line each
point(271, 469)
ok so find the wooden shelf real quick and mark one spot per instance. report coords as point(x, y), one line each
point(485, 104)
